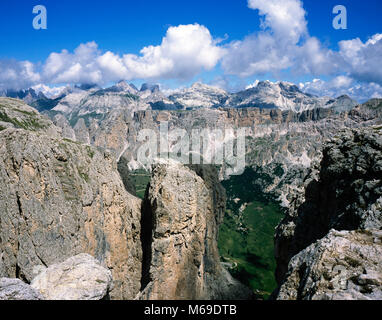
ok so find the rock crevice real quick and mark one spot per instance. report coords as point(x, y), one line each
point(185, 208)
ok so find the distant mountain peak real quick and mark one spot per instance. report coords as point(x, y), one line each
point(199, 85)
point(203, 86)
point(150, 87)
point(285, 96)
point(126, 87)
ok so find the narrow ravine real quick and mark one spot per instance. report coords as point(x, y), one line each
point(246, 242)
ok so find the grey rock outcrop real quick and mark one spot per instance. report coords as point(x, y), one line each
point(15, 289)
point(344, 265)
point(344, 193)
point(67, 131)
point(81, 131)
point(58, 199)
point(78, 278)
point(16, 114)
point(184, 209)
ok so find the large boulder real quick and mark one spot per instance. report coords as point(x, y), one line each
point(182, 212)
point(78, 278)
point(15, 289)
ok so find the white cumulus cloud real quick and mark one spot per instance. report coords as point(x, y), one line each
point(185, 51)
point(17, 74)
point(363, 60)
point(343, 85)
point(283, 44)
point(273, 48)
point(286, 19)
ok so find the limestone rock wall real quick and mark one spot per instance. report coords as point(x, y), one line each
point(184, 209)
point(58, 199)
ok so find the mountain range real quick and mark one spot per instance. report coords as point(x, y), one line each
point(87, 99)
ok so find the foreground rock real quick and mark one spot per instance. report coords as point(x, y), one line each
point(343, 193)
point(15, 289)
point(342, 266)
point(78, 278)
point(184, 209)
point(59, 199)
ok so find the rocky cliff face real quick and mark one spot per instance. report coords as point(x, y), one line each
point(59, 199)
point(184, 209)
point(344, 193)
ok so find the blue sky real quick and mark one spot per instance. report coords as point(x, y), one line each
point(126, 27)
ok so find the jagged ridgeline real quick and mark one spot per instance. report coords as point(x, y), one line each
point(70, 186)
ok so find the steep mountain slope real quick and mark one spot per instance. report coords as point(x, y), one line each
point(59, 199)
point(15, 113)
